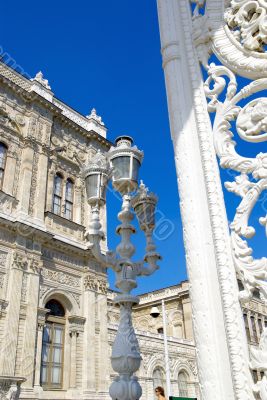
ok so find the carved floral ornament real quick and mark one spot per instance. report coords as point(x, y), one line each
point(238, 38)
point(247, 20)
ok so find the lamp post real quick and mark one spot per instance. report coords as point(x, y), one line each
point(155, 313)
point(122, 166)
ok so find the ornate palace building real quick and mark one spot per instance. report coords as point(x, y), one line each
point(57, 319)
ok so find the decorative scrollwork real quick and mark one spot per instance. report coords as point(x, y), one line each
point(247, 20)
point(258, 362)
point(252, 181)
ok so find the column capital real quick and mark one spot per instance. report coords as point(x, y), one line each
point(41, 315)
point(76, 324)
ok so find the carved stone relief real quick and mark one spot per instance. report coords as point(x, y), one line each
point(61, 277)
point(95, 283)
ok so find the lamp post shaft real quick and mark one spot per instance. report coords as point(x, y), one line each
point(166, 351)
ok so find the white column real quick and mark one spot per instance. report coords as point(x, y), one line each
point(219, 334)
point(73, 357)
point(166, 352)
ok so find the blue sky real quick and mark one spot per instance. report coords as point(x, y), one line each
point(106, 54)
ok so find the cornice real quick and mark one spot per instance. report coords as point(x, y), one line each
point(23, 87)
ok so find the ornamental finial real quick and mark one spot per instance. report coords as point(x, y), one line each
point(93, 115)
point(39, 77)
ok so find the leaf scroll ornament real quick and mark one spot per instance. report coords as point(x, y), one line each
point(250, 123)
point(247, 20)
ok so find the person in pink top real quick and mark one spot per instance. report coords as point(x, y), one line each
point(160, 393)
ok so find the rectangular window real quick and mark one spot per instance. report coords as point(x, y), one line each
point(52, 356)
point(57, 205)
point(68, 209)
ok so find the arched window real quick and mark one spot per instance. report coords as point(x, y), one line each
point(57, 196)
point(3, 153)
point(53, 346)
point(69, 199)
point(182, 383)
point(158, 377)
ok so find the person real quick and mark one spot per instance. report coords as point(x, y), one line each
point(160, 393)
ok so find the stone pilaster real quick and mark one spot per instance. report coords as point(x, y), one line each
point(10, 169)
point(89, 381)
point(41, 313)
point(95, 330)
point(9, 343)
point(25, 180)
point(28, 354)
point(102, 337)
point(40, 197)
point(75, 328)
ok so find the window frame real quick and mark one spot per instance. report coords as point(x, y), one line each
point(183, 390)
point(56, 195)
point(69, 201)
point(3, 166)
point(54, 322)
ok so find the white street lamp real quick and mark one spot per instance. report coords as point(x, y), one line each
point(122, 165)
point(155, 313)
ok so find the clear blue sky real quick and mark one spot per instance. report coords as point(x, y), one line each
point(106, 54)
